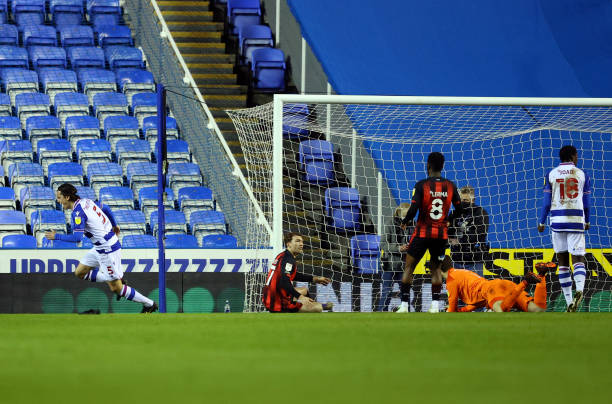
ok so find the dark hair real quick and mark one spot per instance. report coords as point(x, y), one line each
point(435, 161)
point(289, 237)
point(447, 264)
point(567, 153)
point(69, 191)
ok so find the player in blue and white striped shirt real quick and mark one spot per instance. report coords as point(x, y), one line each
point(103, 262)
point(567, 193)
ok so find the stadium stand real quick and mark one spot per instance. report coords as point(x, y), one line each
point(10, 128)
point(66, 13)
point(205, 222)
point(316, 158)
point(7, 198)
point(365, 253)
point(343, 208)
point(109, 35)
point(181, 241)
point(8, 33)
point(139, 241)
point(76, 35)
point(219, 241)
point(147, 199)
point(130, 222)
point(175, 222)
point(19, 241)
point(42, 127)
point(69, 104)
point(53, 151)
point(251, 37)
point(268, 69)
point(39, 35)
point(117, 197)
point(54, 81)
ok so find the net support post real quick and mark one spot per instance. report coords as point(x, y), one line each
point(277, 175)
point(161, 182)
point(303, 72)
point(354, 159)
point(379, 207)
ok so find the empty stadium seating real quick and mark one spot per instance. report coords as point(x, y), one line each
point(181, 241)
point(219, 241)
point(251, 37)
point(241, 13)
point(22, 241)
point(343, 208)
point(139, 241)
point(316, 158)
point(268, 69)
point(365, 253)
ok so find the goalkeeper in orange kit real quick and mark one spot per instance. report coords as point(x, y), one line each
point(499, 295)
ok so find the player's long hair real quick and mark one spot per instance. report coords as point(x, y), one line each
point(69, 191)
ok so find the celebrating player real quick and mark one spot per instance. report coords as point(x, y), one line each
point(99, 225)
point(499, 295)
point(567, 192)
point(432, 198)
point(279, 295)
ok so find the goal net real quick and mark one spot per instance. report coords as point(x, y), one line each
point(336, 169)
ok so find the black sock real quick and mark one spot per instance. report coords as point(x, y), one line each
point(405, 291)
point(435, 292)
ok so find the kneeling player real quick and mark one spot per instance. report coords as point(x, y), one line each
point(499, 295)
point(279, 295)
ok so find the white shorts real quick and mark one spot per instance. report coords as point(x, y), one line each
point(110, 263)
point(568, 242)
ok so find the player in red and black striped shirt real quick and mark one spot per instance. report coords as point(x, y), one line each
point(279, 295)
point(432, 198)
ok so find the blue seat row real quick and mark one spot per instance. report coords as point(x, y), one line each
point(62, 12)
point(69, 35)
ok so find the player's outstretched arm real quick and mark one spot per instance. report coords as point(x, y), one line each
point(75, 237)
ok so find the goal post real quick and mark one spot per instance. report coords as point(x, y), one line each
point(335, 168)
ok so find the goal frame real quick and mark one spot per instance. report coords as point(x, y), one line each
point(281, 99)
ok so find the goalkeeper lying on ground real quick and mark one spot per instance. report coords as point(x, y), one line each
point(498, 295)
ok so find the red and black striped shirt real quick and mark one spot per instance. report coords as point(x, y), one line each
point(279, 283)
point(432, 198)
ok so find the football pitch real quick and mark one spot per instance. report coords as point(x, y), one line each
point(326, 358)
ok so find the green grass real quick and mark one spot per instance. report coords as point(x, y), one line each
point(329, 358)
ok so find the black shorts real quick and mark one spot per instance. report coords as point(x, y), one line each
point(436, 246)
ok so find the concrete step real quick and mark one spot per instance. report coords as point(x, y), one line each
point(202, 79)
point(195, 26)
point(200, 47)
point(207, 57)
point(225, 101)
point(187, 16)
point(193, 36)
point(196, 68)
point(166, 5)
point(227, 89)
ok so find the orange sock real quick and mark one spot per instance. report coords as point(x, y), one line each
point(510, 299)
point(539, 296)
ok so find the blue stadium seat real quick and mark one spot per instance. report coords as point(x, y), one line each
point(316, 159)
point(132, 151)
point(69, 104)
point(221, 241)
point(181, 241)
point(205, 222)
point(130, 221)
point(93, 151)
point(4, 11)
point(39, 35)
point(46, 220)
point(296, 122)
point(86, 57)
point(140, 175)
point(109, 35)
point(47, 56)
point(81, 127)
point(121, 57)
point(8, 33)
point(2, 176)
point(252, 37)
point(42, 127)
point(28, 12)
point(76, 35)
point(5, 105)
point(16, 81)
point(19, 241)
point(23, 175)
point(10, 128)
point(343, 208)
point(177, 151)
point(183, 175)
point(15, 151)
point(66, 12)
point(131, 81)
point(102, 175)
point(175, 222)
point(241, 13)
point(12, 222)
point(86, 192)
point(117, 128)
point(268, 69)
point(149, 129)
point(36, 198)
point(55, 81)
point(143, 106)
point(110, 104)
point(104, 12)
point(139, 241)
point(147, 199)
point(59, 173)
point(53, 151)
point(191, 199)
point(94, 81)
point(13, 56)
point(7, 198)
point(117, 197)
point(31, 104)
point(365, 253)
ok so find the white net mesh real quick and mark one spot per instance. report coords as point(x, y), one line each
point(346, 168)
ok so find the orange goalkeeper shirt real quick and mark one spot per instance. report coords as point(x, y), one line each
point(467, 286)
